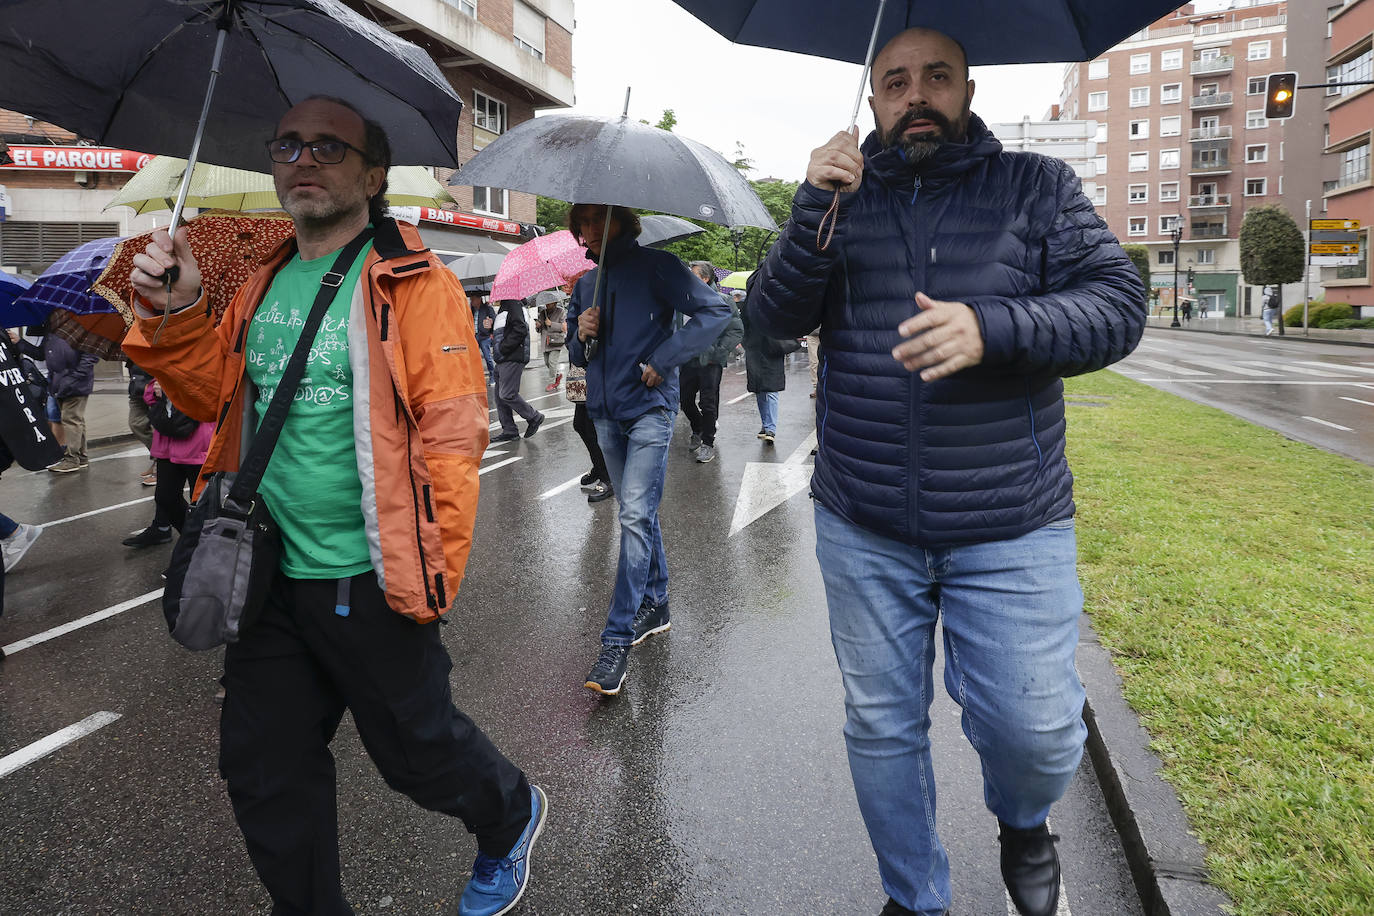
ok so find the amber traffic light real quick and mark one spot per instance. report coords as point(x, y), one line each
point(1280, 91)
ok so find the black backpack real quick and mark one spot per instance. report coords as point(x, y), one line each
point(171, 422)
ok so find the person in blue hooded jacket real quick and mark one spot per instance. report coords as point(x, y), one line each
point(632, 396)
point(955, 288)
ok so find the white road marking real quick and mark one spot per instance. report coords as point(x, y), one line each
point(1168, 367)
point(72, 518)
point(741, 372)
point(803, 451)
point(58, 739)
point(80, 622)
point(555, 424)
point(1062, 910)
point(561, 487)
point(127, 453)
point(1242, 381)
point(492, 452)
point(1241, 370)
point(1288, 367)
point(1356, 400)
point(747, 394)
point(1342, 366)
point(1328, 423)
point(500, 464)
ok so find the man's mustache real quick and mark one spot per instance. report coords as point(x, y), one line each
point(920, 114)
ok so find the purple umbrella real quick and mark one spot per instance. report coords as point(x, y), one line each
point(63, 296)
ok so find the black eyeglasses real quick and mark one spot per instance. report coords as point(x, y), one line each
point(325, 151)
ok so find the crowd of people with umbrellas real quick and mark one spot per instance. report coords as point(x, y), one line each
point(924, 368)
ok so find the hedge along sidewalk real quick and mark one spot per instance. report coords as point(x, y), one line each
point(1230, 571)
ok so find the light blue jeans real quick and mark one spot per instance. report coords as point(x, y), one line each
point(637, 457)
point(768, 409)
point(1010, 613)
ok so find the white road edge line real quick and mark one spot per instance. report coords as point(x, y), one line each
point(1356, 400)
point(58, 739)
point(561, 487)
point(82, 622)
point(1329, 423)
point(500, 464)
point(73, 518)
point(746, 394)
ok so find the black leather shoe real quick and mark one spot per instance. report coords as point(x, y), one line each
point(1030, 869)
point(532, 427)
point(893, 908)
point(505, 437)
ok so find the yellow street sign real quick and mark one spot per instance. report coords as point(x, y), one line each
point(1335, 225)
point(1335, 248)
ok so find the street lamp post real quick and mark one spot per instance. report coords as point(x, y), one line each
point(736, 238)
point(1176, 233)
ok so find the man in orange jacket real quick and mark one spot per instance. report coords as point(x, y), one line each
point(373, 483)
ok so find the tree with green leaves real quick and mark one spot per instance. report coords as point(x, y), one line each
point(667, 122)
point(1140, 257)
point(1271, 249)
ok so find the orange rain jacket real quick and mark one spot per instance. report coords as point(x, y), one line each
point(419, 415)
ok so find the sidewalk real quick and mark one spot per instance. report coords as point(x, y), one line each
point(1254, 327)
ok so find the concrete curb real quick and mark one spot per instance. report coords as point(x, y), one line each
point(1165, 858)
point(109, 440)
point(1296, 336)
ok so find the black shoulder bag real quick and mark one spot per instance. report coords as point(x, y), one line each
point(223, 564)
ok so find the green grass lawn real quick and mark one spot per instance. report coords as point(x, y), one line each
point(1231, 573)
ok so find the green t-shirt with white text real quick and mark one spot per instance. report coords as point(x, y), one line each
point(311, 485)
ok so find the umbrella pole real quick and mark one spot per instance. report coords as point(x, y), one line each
point(200, 125)
point(605, 230)
point(832, 215)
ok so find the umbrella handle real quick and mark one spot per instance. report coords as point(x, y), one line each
point(832, 215)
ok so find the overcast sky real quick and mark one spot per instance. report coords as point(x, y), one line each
point(779, 105)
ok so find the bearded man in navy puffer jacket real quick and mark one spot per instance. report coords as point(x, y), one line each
point(960, 285)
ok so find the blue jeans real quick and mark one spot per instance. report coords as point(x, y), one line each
point(637, 456)
point(768, 409)
point(1010, 612)
point(485, 346)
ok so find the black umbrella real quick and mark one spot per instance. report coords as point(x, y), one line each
point(585, 159)
point(133, 73)
point(658, 229)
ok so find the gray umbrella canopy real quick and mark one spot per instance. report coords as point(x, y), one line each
point(133, 73)
point(589, 160)
point(661, 229)
point(477, 268)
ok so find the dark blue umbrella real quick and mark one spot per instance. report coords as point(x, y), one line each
point(63, 297)
point(11, 287)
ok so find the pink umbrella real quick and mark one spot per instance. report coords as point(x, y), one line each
point(544, 262)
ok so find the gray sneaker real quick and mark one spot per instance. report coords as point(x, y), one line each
point(694, 443)
point(67, 464)
point(705, 453)
point(17, 544)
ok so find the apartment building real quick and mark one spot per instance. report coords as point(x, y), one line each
point(1183, 141)
point(1349, 111)
point(1072, 141)
point(507, 59)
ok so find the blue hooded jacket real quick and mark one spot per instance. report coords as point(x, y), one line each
point(978, 455)
point(644, 287)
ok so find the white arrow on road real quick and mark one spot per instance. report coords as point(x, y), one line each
point(768, 484)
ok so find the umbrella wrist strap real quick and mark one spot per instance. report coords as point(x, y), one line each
point(265, 439)
point(832, 216)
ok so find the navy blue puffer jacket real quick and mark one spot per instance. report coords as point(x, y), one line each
point(979, 455)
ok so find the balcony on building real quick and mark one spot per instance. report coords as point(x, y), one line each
point(1212, 161)
point(1210, 133)
point(1223, 64)
point(1209, 201)
point(1210, 100)
point(1207, 229)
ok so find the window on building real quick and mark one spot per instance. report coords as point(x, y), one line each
point(1258, 152)
point(1099, 197)
point(1167, 223)
point(1166, 257)
point(466, 7)
point(1140, 96)
point(1208, 28)
point(1207, 158)
point(1168, 191)
point(1097, 101)
point(1358, 271)
point(1097, 70)
point(1137, 225)
point(1170, 92)
point(1354, 166)
point(1254, 187)
point(529, 29)
point(1358, 67)
point(1138, 193)
point(488, 113)
point(491, 201)
point(1101, 135)
point(1171, 126)
point(1100, 162)
point(1168, 158)
point(1139, 130)
point(1259, 50)
point(1207, 90)
point(1250, 22)
point(1255, 119)
point(1138, 162)
point(1255, 86)
point(1333, 75)
point(1140, 63)
point(1171, 60)
point(1206, 255)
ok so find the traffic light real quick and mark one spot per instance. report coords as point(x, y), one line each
point(1280, 91)
point(1190, 276)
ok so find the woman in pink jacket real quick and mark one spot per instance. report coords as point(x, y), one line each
point(179, 446)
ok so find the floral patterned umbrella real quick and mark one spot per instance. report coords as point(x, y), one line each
point(228, 247)
point(544, 262)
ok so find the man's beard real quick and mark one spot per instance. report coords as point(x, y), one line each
point(334, 208)
point(919, 147)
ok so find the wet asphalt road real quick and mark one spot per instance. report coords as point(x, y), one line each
point(715, 784)
point(1318, 393)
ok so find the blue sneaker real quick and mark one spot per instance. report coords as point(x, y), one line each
point(497, 884)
